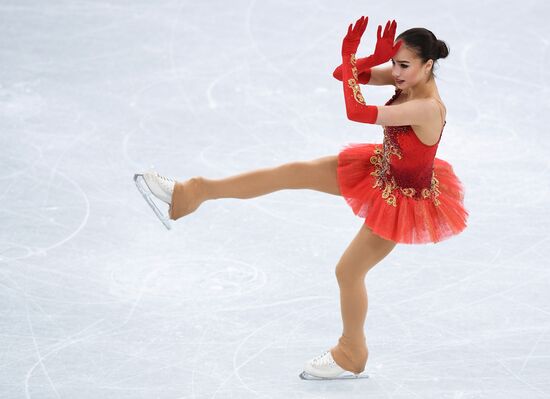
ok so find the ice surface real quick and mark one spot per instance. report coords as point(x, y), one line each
point(99, 300)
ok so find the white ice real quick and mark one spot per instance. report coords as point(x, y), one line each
point(99, 300)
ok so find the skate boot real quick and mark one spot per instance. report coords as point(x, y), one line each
point(152, 186)
point(323, 367)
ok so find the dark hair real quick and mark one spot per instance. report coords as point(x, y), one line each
point(425, 44)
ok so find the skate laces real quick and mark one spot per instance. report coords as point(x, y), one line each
point(165, 178)
point(323, 359)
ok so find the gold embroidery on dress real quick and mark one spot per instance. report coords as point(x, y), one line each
point(381, 159)
point(390, 147)
point(387, 183)
point(353, 82)
point(409, 192)
point(433, 191)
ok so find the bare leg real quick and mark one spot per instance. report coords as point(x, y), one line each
point(363, 253)
point(318, 174)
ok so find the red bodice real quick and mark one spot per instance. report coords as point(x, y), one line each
point(403, 191)
point(403, 162)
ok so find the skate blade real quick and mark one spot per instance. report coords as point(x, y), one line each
point(344, 376)
point(148, 196)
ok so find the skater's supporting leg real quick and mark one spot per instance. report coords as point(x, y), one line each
point(363, 253)
point(318, 174)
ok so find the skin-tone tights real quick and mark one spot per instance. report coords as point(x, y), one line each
point(362, 254)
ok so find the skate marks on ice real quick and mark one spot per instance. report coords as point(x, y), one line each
point(45, 211)
point(127, 318)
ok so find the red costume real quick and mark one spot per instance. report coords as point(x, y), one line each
point(403, 191)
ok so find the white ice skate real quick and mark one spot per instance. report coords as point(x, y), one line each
point(151, 185)
point(323, 367)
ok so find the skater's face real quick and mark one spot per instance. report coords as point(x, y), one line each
point(408, 70)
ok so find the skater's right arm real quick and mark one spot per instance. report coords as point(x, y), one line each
point(379, 76)
point(365, 71)
point(356, 107)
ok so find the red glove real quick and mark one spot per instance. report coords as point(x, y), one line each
point(356, 108)
point(363, 70)
point(382, 53)
point(385, 49)
point(353, 37)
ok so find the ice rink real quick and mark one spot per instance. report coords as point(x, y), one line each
point(99, 300)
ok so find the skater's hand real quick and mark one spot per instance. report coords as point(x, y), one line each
point(353, 37)
point(385, 48)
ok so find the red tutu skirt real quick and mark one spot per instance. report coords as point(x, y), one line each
point(411, 221)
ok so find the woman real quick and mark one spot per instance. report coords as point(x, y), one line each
point(405, 194)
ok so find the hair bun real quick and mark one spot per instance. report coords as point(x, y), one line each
point(442, 49)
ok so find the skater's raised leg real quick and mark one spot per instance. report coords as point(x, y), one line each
point(363, 253)
point(317, 174)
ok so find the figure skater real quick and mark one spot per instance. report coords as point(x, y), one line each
point(404, 193)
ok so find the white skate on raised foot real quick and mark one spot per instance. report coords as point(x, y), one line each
point(151, 185)
point(323, 367)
